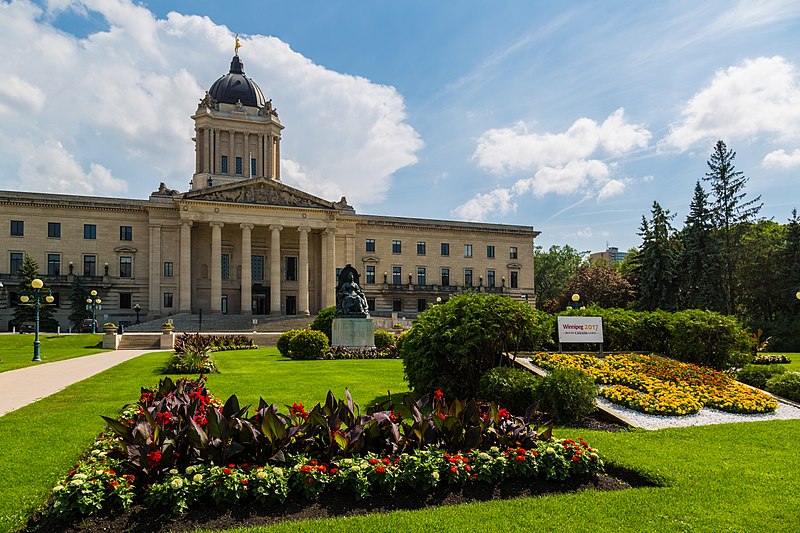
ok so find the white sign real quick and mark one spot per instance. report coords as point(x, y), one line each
point(580, 329)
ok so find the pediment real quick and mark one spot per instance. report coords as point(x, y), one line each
point(259, 191)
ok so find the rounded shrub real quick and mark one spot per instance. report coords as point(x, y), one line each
point(544, 331)
point(512, 388)
point(567, 394)
point(284, 339)
point(453, 344)
point(758, 375)
point(706, 338)
point(786, 385)
point(398, 340)
point(308, 344)
point(324, 321)
point(383, 339)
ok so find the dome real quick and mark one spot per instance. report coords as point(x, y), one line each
point(234, 87)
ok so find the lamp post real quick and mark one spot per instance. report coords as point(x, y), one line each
point(93, 305)
point(576, 301)
point(438, 300)
point(36, 293)
point(138, 309)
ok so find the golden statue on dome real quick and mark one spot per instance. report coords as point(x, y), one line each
point(237, 46)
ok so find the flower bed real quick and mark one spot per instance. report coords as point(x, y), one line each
point(341, 352)
point(661, 386)
point(771, 359)
point(193, 352)
point(178, 447)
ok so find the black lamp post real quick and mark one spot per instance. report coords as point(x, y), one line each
point(138, 309)
point(93, 305)
point(36, 293)
point(576, 301)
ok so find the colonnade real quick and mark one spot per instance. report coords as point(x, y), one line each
point(267, 153)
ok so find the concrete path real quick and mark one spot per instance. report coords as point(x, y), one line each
point(20, 387)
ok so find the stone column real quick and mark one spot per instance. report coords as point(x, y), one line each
point(197, 140)
point(247, 275)
point(216, 266)
point(231, 152)
point(260, 163)
point(269, 145)
point(275, 271)
point(277, 158)
point(246, 154)
point(185, 281)
point(208, 146)
point(329, 266)
point(154, 305)
point(350, 249)
point(215, 156)
point(302, 280)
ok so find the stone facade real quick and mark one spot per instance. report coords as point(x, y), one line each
point(240, 241)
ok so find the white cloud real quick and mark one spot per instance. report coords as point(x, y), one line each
point(780, 159)
point(760, 96)
point(611, 188)
point(584, 233)
point(499, 201)
point(119, 103)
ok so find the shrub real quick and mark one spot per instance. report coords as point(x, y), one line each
point(324, 322)
point(785, 385)
point(513, 388)
point(544, 331)
point(343, 352)
point(706, 338)
point(284, 339)
point(567, 394)
point(308, 344)
point(399, 339)
point(757, 376)
point(383, 339)
point(453, 344)
point(771, 359)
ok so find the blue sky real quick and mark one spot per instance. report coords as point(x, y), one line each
point(571, 117)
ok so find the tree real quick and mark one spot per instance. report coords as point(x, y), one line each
point(729, 210)
point(702, 264)
point(552, 270)
point(658, 270)
point(26, 312)
point(600, 285)
point(77, 300)
point(759, 273)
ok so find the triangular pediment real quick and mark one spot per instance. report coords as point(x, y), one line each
point(259, 191)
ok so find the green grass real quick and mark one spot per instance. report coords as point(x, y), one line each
point(737, 477)
point(794, 366)
point(16, 351)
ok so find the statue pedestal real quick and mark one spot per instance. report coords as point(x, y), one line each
point(353, 333)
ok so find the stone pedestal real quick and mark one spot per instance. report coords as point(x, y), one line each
point(111, 340)
point(353, 333)
point(167, 340)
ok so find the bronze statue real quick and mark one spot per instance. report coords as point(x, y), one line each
point(350, 299)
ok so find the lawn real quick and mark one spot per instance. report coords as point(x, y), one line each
point(16, 351)
point(794, 366)
point(739, 477)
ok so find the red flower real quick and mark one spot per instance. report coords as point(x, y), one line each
point(438, 395)
point(452, 460)
point(521, 451)
point(305, 468)
point(468, 468)
point(313, 462)
point(380, 469)
point(130, 478)
point(386, 461)
point(453, 469)
point(244, 482)
point(503, 413)
point(520, 458)
point(535, 453)
point(200, 419)
point(322, 468)
point(442, 416)
point(113, 484)
point(298, 409)
point(334, 470)
point(464, 460)
point(147, 396)
point(373, 461)
point(394, 417)
point(164, 418)
point(310, 480)
point(575, 458)
point(153, 458)
point(226, 471)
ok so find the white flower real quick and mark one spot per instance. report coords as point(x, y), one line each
point(176, 483)
point(483, 455)
point(494, 449)
point(550, 450)
point(347, 462)
point(173, 471)
point(79, 476)
point(190, 470)
point(96, 452)
point(261, 474)
point(435, 476)
point(58, 488)
point(355, 468)
point(76, 482)
point(277, 471)
point(197, 478)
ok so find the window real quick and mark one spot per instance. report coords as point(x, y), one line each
point(225, 266)
point(239, 165)
point(468, 277)
point(89, 265)
point(514, 280)
point(17, 228)
point(397, 275)
point(420, 248)
point(125, 267)
point(370, 245)
point(371, 304)
point(421, 276)
point(512, 252)
point(53, 264)
point(56, 300)
point(89, 231)
point(445, 250)
point(257, 267)
point(370, 273)
point(252, 166)
point(125, 233)
point(54, 230)
point(422, 303)
point(168, 295)
point(15, 263)
point(397, 304)
point(490, 252)
point(467, 250)
point(223, 169)
point(291, 268)
point(124, 300)
point(396, 247)
point(490, 278)
point(168, 270)
point(445, 277)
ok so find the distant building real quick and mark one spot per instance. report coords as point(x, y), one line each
point(612, 255)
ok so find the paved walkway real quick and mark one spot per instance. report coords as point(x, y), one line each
point(20, 387)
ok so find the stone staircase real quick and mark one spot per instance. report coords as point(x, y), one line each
point(219, 323)
point(140, 341)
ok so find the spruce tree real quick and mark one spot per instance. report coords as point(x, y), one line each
point(729, 210)
point(658, 270)
point(702, 264)
point(77, 297)
point(27, 312)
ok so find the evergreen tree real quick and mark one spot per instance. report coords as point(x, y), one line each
point(791, 259)
point(77, 299)
point(729, 210)
point(658, 269)
point(702, 264)
point(27, 312)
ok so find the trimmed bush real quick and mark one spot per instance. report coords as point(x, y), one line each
point(308, 344)
point(324, 322)
point(785, 385)
point(544, 328)
point(513, 388)
point(453, 344)
point(567, 394)
point(706, 338)
point(758, 375)
point(284, 339)
point(383, 339)
point(399, 339)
